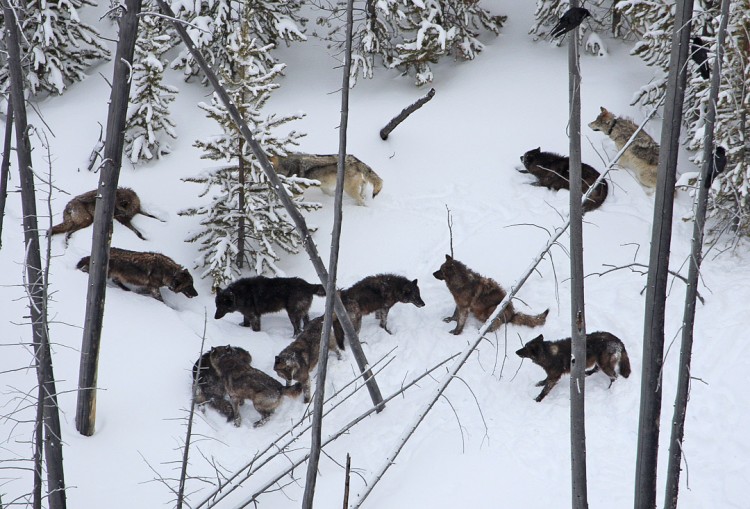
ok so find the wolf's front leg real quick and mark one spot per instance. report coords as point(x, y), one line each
point(236, 409)
point(453, 317)
point(382, 315)
point(463, 314)
point(547, 387)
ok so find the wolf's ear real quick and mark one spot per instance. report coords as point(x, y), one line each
point(604, 110)
point(448, 258)
point(414, 282)
point(538, 339)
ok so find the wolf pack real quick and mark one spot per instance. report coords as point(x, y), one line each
point(224, 377)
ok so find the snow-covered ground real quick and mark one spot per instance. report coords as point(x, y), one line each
point(487, 444)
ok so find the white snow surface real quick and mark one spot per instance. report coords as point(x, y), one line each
point(487, 444)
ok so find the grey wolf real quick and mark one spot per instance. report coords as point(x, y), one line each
point(255, 296)
point(323, 168)
point(569, 20)
point(642, 156)
point(296, 361)
point(209, 386)
point(552, 171)
point(604, 351)
point(479, 296)
point(242, 381)
point(79, 212)
point(146, 271)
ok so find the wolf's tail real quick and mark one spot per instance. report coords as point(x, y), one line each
point(58, 228)
point(597, 197)
point(338, 333)
point(624, 363)
point(292, 390)
point(83, 264)
point(529, 320)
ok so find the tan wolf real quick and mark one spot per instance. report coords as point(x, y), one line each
point(145, 271)
point(323, 168)
point(479, 296)
point(642, 156)
point(604, 351)
point(242, 381)
point(79, 212)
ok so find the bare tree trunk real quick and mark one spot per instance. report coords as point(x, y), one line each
point(688, 320)
point(5, 166)
point(38, 450)
point(656, 289)
point(577, 303)
point(395, 121)
point(346, 481)
point(333, 263)
point(105, 208)
point(289, 206)
point(35, 276)
point(241, 204)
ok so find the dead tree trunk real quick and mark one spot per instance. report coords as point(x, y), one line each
point(241, 205)
point(395, 121)
point(105, 208)
point(35, 276)
point(291, 209)
point(656, 289)
point(577, 303)
point(5, 166)
point(696, 256)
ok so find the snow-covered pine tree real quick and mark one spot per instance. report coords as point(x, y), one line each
point(253, 205)
point(149, 123)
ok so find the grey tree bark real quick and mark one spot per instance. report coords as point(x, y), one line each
point(108, 179)
point(35, 283)
point(656, 285)
point(696, 256)
point(395, 121)
point(5, 166)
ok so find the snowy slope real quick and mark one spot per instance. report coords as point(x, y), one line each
point(487, 444)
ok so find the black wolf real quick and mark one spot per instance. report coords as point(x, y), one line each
point(553, 172)
point(255, 296)
point(569, 20)
point(699, 55)
point(146, 271)
point(79, 212)
point(604, 351)
point(479, 296)
point(296, 361)
point(242, 381)
point(209, 386)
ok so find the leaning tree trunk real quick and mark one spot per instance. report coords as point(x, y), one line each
point(658, 273)
point(5, 165)
point(105, 209)
point(688, 320)
point(35, 276)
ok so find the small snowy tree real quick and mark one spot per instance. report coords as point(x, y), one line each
point(148, 122)
point(251, 205)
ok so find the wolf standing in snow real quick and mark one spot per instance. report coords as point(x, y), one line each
point(553, 172)
point(479, 296)
point(642, 156)
point(357, 175)
point(604, 351)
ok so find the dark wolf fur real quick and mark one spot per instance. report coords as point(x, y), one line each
point(296, 361)
point(604, 351)
point(242, 381)
point(552, 171)
point(146, 271)
point(79, 212)
point(209, 386)
point(255, 296)
point(324, 169)
point(479, 296)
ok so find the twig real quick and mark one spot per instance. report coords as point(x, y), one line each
point(384, 132)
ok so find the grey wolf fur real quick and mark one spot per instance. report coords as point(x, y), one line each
point(146, 271)
point(642, 156)
point(209, 386)
point(357, 175)
point(553, 172)
point(255, 296)
point(479, 296)
point(296, 361)
point(242, 381)
point(79, 212)
point(604, 351)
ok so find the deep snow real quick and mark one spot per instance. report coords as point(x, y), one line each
point(487, 444)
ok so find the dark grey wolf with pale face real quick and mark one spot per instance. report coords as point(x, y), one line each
point(553, 172)
point(146, 271)
point(479, 296)
point(296, 361)
point(242, 381)
point(324, 168)
point(604, 351)
point(255, 296)
point(79, 212)
point(209, 386)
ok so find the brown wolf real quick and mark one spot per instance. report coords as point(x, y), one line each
point(296, 361)
point(357, 175)
point(145, 271)
point(552, 172)
point(604, 351)
point(254, 296)
point(479, 296)
point(242, 381)
point(209, 386)
point(643, 154)
point(79, 212)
